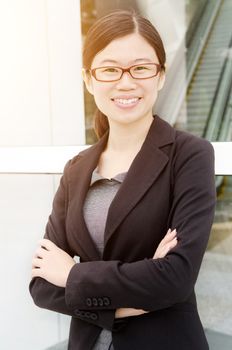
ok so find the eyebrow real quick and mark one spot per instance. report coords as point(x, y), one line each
point(134, 61)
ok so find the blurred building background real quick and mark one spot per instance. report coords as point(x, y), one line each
point(46, 117)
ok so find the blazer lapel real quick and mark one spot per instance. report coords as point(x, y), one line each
point(143, 172)
point(79, 181)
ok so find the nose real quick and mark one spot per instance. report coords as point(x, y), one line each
point(126, 82)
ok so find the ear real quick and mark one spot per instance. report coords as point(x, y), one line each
point(161, 80)
point(88, 80)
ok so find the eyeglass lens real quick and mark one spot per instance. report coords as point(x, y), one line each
point(138, 72)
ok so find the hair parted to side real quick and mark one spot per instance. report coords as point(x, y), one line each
point(114, 25)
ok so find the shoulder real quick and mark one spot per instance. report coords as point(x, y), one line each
point(72, 162)
point(84, 153)
point(178, 143)
point(192, 154)
point(184, 149)
point(167, 137)
point(187, 142)
point(84, 157)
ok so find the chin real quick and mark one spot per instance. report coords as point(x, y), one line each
point(127, 119)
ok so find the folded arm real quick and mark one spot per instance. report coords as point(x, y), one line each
point(46, 294)
point(152, 284)
point(149, 284)
point(53, 265)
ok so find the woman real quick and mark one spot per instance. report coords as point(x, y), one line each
point(117, 200)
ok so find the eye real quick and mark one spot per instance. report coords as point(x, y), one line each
point(110, 70)
point(140, 68)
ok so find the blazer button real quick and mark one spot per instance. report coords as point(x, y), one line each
point(88, 301)
point(100, 302)
point(106, 301)
point(88, 314)
point(77, 312)
point(94, 316)
point(95, 302)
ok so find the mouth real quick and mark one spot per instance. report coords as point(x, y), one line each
point(126, 102)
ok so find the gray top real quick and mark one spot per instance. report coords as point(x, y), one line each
point(99, 197)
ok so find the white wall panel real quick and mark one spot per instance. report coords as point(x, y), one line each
point(41, 104)
point(65, 80)
point(24, 103)
point(25, 204)
point(40, 68)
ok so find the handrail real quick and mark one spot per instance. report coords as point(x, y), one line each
point(201, 36)
point(195, 50)
point(226, 127)
point(220, 100)
point(201, 7)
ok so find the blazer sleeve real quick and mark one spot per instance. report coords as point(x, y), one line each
point(46, 294)
point(156, 284)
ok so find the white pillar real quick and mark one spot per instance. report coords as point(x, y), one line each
point(41, 104)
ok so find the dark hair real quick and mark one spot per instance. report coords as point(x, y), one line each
point(116, 24)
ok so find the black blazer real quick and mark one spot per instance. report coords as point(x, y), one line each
point(170, 184)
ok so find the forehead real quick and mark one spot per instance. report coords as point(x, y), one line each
point(130, 49)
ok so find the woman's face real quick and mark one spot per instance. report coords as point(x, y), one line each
point(126, 100)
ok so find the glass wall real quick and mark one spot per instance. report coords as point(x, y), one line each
point(215, 280)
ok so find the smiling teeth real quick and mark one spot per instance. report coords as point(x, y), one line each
point(127, 101)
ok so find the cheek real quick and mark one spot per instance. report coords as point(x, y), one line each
point(152, 90)
point(101, 94)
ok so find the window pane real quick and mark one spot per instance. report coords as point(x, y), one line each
point(214, 284)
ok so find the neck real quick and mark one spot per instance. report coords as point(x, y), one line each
point(128, 137)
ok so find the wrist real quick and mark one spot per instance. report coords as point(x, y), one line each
point(68, 273)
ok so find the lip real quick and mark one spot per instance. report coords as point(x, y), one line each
point(126, 101)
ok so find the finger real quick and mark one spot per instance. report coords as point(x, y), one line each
point(40, 252)
point(170, 245)
point(46, 243)
point(165, 251)
point(173, 232)
point(168, 237)
point(36, 262)
point(160, 253)
point(162, 250)
point(173, 243)
point(36, 273)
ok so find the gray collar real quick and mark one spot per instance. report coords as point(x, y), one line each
point(97, 177)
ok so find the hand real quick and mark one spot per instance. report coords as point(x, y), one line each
point(52, 263)
point(128, 311)
point(168, 242)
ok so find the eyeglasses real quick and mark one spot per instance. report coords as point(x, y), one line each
point(140, 71)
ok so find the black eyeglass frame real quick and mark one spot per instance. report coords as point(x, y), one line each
point(123, 70)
